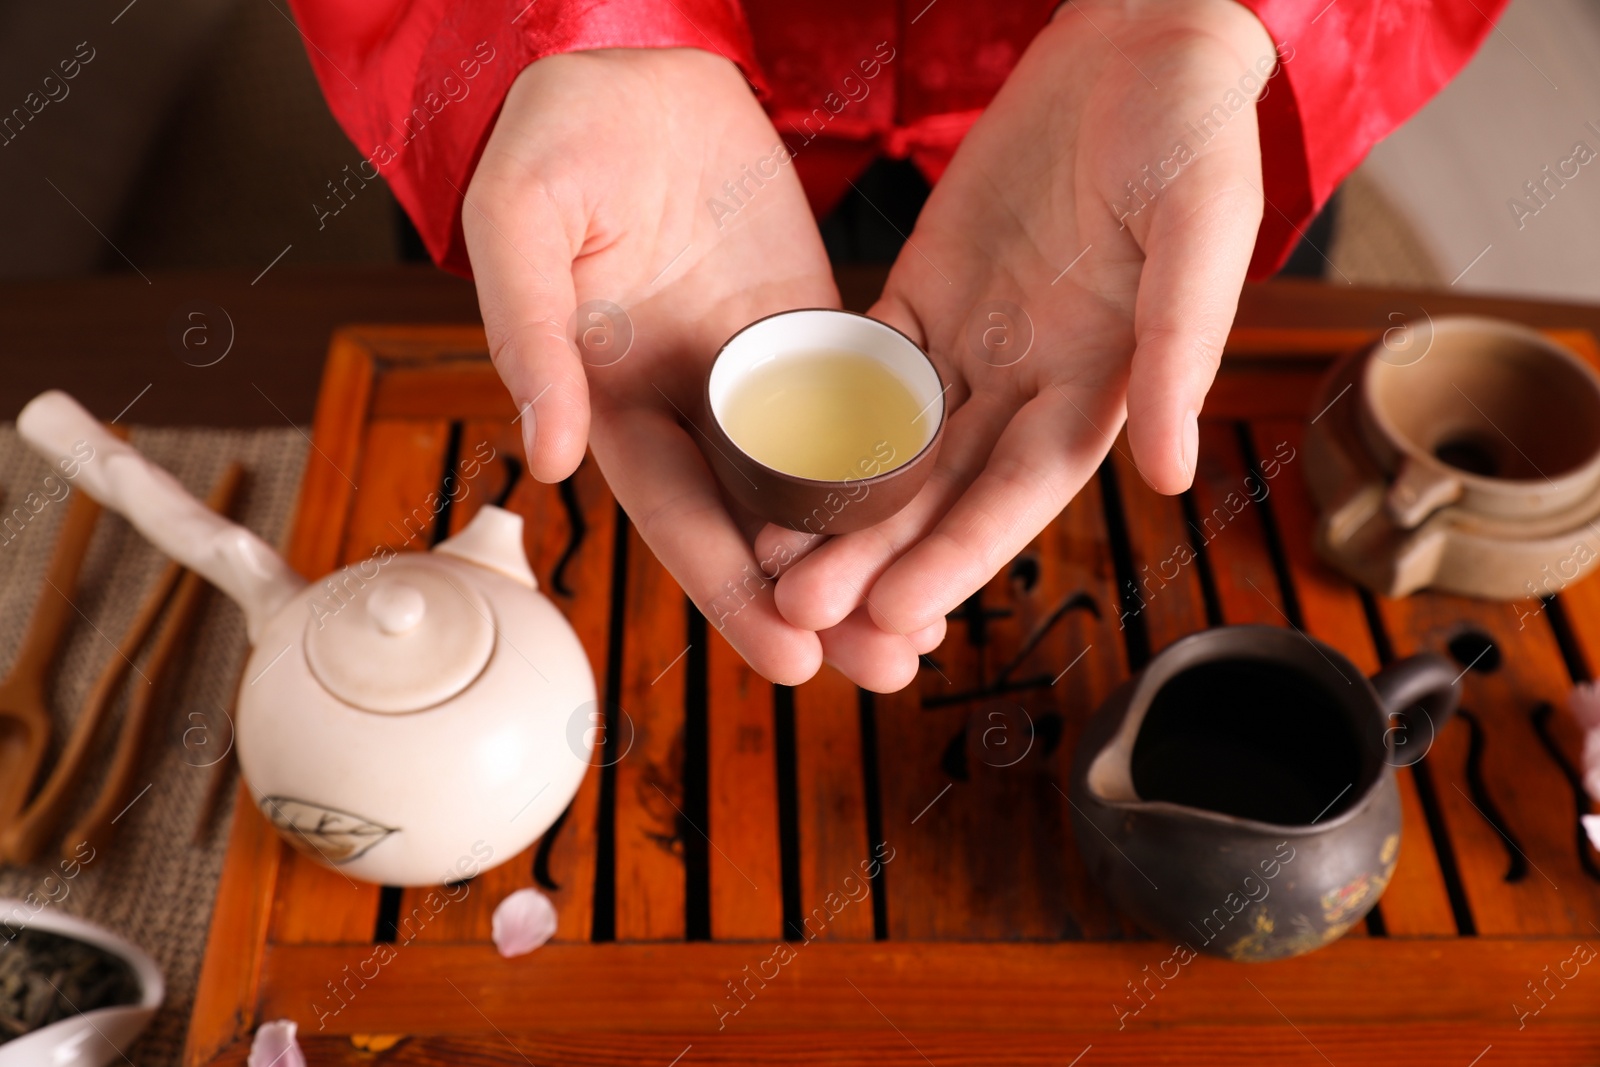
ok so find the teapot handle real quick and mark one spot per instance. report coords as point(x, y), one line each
point(112, 472)
point(1425, 680)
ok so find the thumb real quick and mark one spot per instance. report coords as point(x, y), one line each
point(895, 310)
point(522, 262)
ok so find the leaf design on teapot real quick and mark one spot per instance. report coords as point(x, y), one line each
point(324, 833)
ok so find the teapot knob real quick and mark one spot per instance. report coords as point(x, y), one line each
point(396, 607)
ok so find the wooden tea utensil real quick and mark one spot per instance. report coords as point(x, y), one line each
point(24, 714)
point(116, 791)
point(23, 840)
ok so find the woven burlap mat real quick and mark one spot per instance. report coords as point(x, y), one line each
point(152, 884)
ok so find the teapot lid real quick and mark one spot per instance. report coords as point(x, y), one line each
point(406, 639)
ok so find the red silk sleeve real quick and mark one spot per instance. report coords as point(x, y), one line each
point(1350, 71)
point(417, 85)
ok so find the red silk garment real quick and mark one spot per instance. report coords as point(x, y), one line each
point(417, 84)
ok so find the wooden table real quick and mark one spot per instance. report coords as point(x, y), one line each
point(689, 871)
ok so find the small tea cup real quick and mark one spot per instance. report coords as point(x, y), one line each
point(880, 484)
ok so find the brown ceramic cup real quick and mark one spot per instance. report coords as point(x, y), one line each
point(807, 504)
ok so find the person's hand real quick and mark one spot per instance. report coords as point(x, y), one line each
point(594, 186)
point(1128, 298)
point(598, 183)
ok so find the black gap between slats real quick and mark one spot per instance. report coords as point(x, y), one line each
point(1556, 611)
point(1202, 559)
point(604, 924)
point(1135, 638)
point(387, 927)
point(1269, 525)
point(448, 487)
point(696, 783)
point(871, 784)
point(1449, 867)
point(1578, 671)
point(784, 746)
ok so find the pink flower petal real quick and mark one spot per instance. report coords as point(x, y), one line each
point(1584, 703)
point(523, 921)
point(1591, 825)
point(274, 1046)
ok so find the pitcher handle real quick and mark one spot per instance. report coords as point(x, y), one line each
point(1425, 680)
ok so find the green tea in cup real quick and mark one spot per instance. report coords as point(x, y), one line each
point(821, 420)
point(819, 414)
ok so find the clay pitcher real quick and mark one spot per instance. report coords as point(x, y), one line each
point(1238, 794)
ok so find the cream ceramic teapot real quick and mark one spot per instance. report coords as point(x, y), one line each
point(405, 720)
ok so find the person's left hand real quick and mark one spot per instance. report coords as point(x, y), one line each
point(1128, 301)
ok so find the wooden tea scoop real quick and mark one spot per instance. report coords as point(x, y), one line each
point(117, 790)
point(22, 840)
point(24, 714)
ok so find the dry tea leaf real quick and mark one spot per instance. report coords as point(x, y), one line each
point(45, 977)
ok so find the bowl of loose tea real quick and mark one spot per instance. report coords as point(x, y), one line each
point(71, 993)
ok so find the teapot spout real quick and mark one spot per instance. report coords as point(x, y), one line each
point(229, 556)
point(493, 539)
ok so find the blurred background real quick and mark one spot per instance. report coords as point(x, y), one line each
point(196, 138)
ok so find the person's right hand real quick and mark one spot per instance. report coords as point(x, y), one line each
point(1080, 157)
point(597, 184)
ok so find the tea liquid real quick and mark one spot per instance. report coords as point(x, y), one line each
point(826, 416)
point(1254, 739)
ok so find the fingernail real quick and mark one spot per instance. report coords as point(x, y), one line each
point(1191, 443)
point(530, 433)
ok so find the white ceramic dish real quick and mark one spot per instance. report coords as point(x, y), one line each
point(98, 1037)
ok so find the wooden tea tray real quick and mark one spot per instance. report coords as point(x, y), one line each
point(739, 808)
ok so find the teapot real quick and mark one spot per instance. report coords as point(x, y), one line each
point(1238, 794)
point(406, 719)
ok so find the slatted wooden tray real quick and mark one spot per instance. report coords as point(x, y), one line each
point(741, 809)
